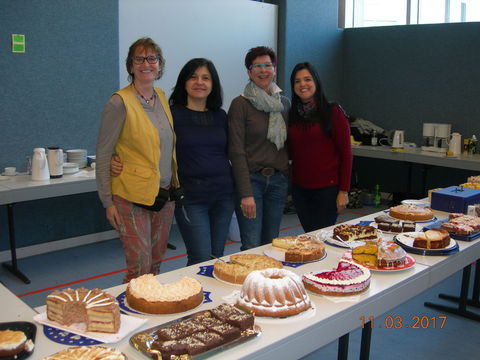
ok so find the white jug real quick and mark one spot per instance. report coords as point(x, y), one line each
point(55, 162)
point(397, 141)
point(455, 146)
point(39, 165)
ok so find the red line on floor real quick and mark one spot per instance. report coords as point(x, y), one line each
point(115, 272)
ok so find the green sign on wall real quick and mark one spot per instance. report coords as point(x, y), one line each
point(18, 43)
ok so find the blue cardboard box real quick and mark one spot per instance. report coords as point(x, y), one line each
point(454, 199)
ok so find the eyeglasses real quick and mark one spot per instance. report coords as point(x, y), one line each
point(267, 66)
point(141, 59)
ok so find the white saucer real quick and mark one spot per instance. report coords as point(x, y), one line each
point(3, 174)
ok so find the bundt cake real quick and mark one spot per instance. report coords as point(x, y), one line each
point(274, 293)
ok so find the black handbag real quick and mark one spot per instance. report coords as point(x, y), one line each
point(160, 201)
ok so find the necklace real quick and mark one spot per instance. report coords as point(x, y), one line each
point(143, 97)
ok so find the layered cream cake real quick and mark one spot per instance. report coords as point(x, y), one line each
point(12, 342)
point(88, 353)
point(97, 309)
point(241, 265)
point(347, 279)
point(147, 295)
point(273, 293)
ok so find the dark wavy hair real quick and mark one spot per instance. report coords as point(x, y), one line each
point(180, 95)
point(255, 52)
point(322, 114)
point(144, 43)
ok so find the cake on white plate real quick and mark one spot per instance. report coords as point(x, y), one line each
point(96, 308)
point(273, 293)
point(88, 353)
point(148, 295)
point(348, 278)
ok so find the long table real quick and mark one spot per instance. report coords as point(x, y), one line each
point(15, 189)
point(333, 317)
point(418, 156)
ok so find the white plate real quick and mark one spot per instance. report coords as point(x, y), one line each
point(128, 308)
point(421, 203)
point(409, 262)
point(225, 282)
point(407, 239)
point(16, 173)
point(127, 325)
point(328, 238)
point(279, 254)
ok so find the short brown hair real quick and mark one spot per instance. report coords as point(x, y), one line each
point(255, 52)
point(145, 43)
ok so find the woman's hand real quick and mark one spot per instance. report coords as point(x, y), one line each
point(342, 200)
point(114, 217)
point(249, 209)
point(116, 165)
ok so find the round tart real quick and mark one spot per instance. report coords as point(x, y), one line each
point(88, 353)
point(12, 342)
point(411, 212)
point(241, 265)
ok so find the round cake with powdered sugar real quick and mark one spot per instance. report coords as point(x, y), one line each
point(274, 293)
point(97, 309)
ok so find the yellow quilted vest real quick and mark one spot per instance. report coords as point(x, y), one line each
point(139, 148)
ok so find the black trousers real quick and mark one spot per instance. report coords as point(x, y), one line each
point(316, 208)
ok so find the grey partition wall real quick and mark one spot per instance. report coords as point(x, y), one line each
point(219, 30)
point(53, 94)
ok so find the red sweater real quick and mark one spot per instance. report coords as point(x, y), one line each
point(319, 161)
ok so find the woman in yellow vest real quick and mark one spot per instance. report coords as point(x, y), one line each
point(137, 125)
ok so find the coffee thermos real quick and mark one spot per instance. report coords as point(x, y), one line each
point(40, 165)
point(55, 162)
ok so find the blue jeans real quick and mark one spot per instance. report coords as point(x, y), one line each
point(316, 208)
point(270, 194)
point(204, 224)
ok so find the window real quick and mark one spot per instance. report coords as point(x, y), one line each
point(364, 13)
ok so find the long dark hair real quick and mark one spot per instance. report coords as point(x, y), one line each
point(180, 95)
point(322, 113)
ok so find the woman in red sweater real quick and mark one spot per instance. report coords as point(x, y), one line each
point(320, 150)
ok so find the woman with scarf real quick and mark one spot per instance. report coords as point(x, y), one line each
point(257, 135)
point(320, 150)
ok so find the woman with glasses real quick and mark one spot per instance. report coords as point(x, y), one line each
point(320, 149)
point(137, 125)
point(257, 134)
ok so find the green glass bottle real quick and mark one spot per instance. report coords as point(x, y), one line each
point(377, 197)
